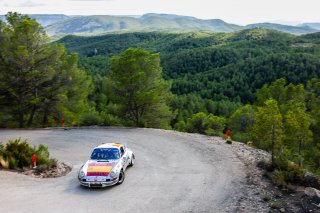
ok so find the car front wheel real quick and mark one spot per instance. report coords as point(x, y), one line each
point(121, 177)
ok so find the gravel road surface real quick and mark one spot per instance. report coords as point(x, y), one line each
point(173, 172)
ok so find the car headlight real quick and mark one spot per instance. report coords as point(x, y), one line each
point(113, 174)
point(81, 173)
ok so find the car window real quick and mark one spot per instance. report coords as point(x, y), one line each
point(122, 151)
point(105, 154)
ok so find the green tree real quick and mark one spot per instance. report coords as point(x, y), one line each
point(215, 125)
point(297, 128)
point(268, 128)
point(242, 119)
point(37, 77)
point(139, 89)
point(205, 124)
point(197, 123)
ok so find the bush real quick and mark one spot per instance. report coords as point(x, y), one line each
point(205, 124)
point(197, 123)
point(284, 172)
point(91, 118)
point(215, 125)
point(4, 163)
point(42, 155)
point(242, 119)
point(1, 148)
point(109, 119)
point(294, 174)
point(241, 137)
point(17, 154)
point(180, 126)
point(265, 198)
point(52, 163)
point(275, 205)
point(278, 178)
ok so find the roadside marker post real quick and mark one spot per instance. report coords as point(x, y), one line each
point(34, 161)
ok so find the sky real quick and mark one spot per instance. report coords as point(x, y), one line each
point(233, 11)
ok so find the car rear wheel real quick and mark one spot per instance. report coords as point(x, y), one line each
point(132, 160)
point(121, 177)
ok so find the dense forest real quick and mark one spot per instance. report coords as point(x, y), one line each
point(215, 72)
point(261, 84)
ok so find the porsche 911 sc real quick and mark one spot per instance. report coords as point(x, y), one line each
point(106, 166)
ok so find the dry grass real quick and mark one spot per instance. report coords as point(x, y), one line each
point(4, 163)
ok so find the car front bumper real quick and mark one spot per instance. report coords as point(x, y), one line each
point(98, 184)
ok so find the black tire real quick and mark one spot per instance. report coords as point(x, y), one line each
point(121, 177)
point(132, 160)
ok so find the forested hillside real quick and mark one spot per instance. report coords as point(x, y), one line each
point(216, 66)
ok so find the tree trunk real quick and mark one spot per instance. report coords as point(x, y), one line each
point(45, 117)
point(299, 152)
point(272, 147)
point(21, 112)
point(33, 111)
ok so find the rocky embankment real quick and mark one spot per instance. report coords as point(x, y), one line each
point(263, 196)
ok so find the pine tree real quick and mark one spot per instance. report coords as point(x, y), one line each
point(268, 128)
point(139, 89)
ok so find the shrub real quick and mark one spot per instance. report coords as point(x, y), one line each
point(215, 125)
point(1, 148)
point(197, 123)
point(205, 124)
point(109, 119)
point(17, 154)
point(91, 118)
point(4, 163)
point(294, 174)
point(242, 119)
point(180, 126)
point(278, 178)
point(52, 163)
point(242, 137)
point(275, 205)
point(42, 155)
point(265, 198)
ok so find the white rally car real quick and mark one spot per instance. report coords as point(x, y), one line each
point(106, 166)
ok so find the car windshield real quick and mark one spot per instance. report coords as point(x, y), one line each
point(105, 154)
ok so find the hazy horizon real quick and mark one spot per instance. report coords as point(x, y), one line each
point(241, 12)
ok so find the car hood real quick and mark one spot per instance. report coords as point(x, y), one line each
point(99, 168)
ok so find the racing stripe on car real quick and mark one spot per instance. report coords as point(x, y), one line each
point(99, 169)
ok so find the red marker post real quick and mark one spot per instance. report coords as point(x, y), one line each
point(34, 161)
point(62, 122)
point(228, 136)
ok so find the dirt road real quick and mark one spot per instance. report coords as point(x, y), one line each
point(173, 172)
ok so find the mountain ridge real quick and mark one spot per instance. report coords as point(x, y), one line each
point(60, 24)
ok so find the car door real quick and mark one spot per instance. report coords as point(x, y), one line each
point(125, 157)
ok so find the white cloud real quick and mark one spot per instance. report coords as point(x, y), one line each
point(27, 3)
point(30, 4)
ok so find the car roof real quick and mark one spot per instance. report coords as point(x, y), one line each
point(110, 145)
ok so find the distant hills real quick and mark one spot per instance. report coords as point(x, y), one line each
point(46, 19)
point(312, 25)
point(59, 24)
